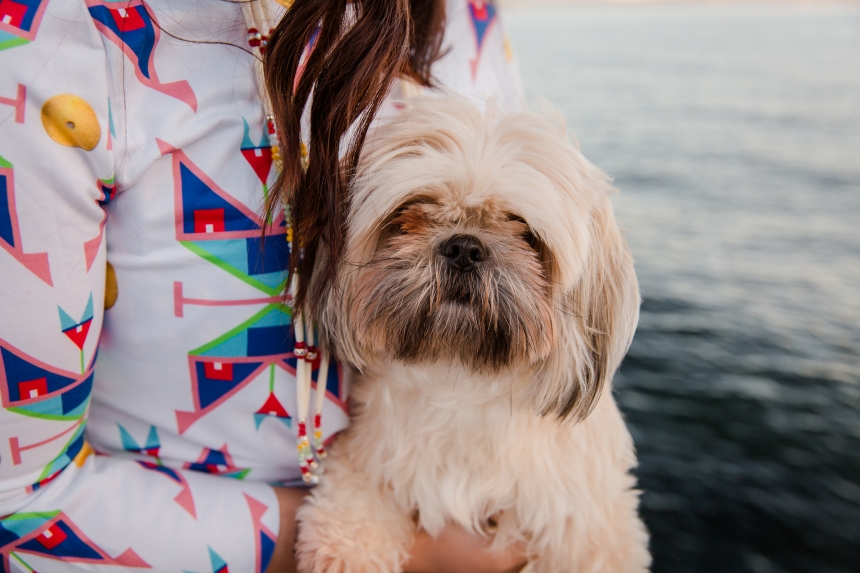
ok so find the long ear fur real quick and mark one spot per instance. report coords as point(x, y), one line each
point(594, 287)
point(594, 321)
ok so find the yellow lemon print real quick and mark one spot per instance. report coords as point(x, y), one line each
point(70, 120)
point(111, 287)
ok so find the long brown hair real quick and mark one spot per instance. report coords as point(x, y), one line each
point(362, 46)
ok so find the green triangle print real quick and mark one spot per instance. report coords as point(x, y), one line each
point(23, 524)
point(260, 265)
point(267, 333)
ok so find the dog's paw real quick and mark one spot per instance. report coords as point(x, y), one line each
point(322, 561)
point(342, 542)
point(340, 559)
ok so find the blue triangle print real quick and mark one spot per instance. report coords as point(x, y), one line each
point(217, 563)
point(270, 340)
point(66, 321)
point(268, 255)
point(231, 251)
point(70, 544)
point(76, 399)
point(234, 347)
point(205, 211)
point(482, 17)
point(258, 419)
point(171, 473)
point(136, 32)
point(16, 528)
point(128, 443)
point(211, 388)
point(269, 335)
point(267, 548)
point(20, 373)
point(7, 233)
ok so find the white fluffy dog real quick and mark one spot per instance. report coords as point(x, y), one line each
point(485, 300)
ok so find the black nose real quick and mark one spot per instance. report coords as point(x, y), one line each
point(463, 252)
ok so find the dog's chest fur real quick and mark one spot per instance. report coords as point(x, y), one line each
point(458, 446)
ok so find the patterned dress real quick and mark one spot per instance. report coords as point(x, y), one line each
point(131, 132)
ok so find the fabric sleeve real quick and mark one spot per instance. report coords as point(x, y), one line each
point(63, 508)
point(56, 171)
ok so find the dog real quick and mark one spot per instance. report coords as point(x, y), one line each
point(485, 299)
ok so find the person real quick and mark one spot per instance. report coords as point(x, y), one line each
point(147, 356)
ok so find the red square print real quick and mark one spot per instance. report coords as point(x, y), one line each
point(12, 13)
point(30, 389)
point(51, 537)
point(127, 19)
point(209, 220)
point(480, 10)
point(218, 370)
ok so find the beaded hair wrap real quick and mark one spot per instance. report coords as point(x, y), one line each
point(259, 19)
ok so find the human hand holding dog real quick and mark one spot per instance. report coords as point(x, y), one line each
point(453, 551)
point(456, 550)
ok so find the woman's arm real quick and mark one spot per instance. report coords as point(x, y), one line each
point(453, 551)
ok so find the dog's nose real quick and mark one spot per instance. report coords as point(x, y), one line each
point(463, 252)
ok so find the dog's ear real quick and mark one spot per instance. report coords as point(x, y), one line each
point(594, 322)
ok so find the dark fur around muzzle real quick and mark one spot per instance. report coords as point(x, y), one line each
point(416, 306)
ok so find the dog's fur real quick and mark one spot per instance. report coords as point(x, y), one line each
point(481, 398)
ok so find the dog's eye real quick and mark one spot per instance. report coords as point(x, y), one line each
point(406, 218)
point(530, 238)
point(527, 234)
point(393, 228)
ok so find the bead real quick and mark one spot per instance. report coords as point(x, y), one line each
point(305, 158)
point(254, 37)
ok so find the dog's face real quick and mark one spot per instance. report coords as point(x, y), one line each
point(490, 244)
point(454, 280)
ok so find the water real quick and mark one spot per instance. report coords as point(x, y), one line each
point(733, 133)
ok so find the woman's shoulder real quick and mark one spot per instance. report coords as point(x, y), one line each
point(477, 56)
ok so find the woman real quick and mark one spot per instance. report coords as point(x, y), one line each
point(133, 132)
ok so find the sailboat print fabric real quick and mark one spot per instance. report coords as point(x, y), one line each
point(144, 436)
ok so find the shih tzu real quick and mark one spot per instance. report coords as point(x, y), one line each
point(485, 300)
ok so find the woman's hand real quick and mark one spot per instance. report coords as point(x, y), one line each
point(453, 551)
point(458, 551)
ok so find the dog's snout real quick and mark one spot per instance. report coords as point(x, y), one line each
point(463, 252)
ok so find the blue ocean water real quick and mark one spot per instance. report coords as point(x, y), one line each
point(733, 134)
